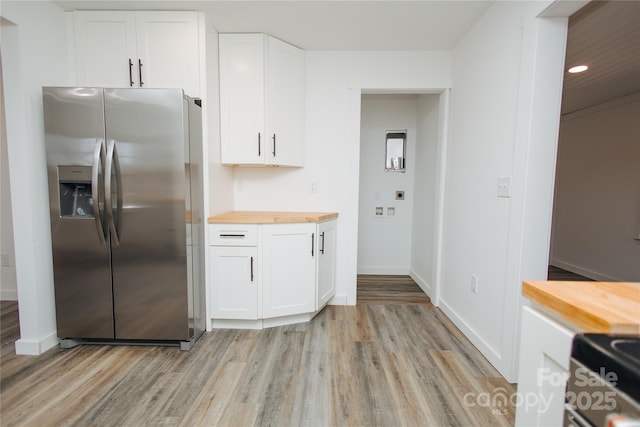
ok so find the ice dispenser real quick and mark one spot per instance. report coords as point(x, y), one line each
point(76, 199)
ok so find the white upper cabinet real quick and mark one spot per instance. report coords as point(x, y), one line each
point(262, 101)
point(137, 49)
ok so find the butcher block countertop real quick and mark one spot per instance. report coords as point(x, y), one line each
point(267, 217)
point(599, 307)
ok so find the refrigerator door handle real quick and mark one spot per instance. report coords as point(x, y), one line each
point(113, 165)
point(97, 168)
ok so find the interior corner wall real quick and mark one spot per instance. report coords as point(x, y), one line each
point(597, 196)
point(34, 53)
point(422, 268)
point(384, 240)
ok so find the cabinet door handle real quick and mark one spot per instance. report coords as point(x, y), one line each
point(252, 269)
point(313, 236)
point(259, 151)
point(130, 72)
point(274, 145)
point(322, 245)
point(140, 72)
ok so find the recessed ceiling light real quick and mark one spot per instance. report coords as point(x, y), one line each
point(578, 69)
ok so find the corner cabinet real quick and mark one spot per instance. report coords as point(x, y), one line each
point(261, 101)
point(266, 275)
point(152, 49)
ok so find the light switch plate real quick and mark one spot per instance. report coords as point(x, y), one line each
point(504, 186)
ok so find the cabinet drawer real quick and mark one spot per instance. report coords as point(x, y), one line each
point(233, 235)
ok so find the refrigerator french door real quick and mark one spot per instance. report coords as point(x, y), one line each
point(125, 191)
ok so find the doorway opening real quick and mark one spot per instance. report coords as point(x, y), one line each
point(398, 212)
point(596, 213)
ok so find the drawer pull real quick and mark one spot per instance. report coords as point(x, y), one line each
point(237, 236)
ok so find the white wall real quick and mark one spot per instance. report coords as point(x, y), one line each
point(597, 196)
point(334, 81)
point(507, 76)
point(423, 228)
point(220, 194)
point(384, 241)
point(34, 54)
point(8, 285)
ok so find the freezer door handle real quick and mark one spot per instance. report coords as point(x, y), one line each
point(97, 170)
point(112, 169)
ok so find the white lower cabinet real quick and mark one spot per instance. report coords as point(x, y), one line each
point(265, 275)
point(326, 266)
point(235, 269)
point(545, 350)
point(288, 269)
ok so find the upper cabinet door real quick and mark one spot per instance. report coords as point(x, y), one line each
point(168, 50)
point(105, 42)
point(242, 98)
point(138, 49)
point(285, 103)
point(261, 101)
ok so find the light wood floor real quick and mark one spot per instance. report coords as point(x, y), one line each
point(400, 364)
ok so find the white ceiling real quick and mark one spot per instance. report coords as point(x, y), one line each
point(329, 25)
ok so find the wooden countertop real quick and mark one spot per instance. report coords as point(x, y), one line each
point(600, 307)
point(268, 217)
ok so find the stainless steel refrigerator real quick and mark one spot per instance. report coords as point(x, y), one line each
point(127, 222)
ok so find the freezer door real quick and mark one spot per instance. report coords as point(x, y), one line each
point(146, 136)
point(74, 135)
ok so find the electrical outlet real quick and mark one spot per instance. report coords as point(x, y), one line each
point(474, 283)
point(313, 187)
point(6, 261)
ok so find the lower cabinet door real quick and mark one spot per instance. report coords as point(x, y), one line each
point(326, 282)
point(288, 260)
point(234, 272)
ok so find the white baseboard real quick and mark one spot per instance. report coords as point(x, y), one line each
point(584, 271)
point(487, 350)
point(8, 295)
point(384, 271)
point(338, 300)
point(426, 288)
point(35, 348)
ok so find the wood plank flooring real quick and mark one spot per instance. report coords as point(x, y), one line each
point(556, 273)
point(374, 364)
point(375, 289)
